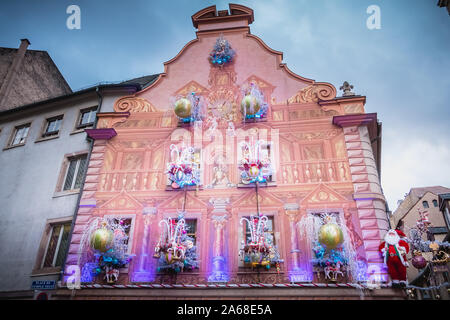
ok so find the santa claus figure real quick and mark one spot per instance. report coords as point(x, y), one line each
point(394, 249)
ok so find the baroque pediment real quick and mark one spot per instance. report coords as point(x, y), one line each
point(322, 194)
point(176, 202)
point(265, 199)
point(192, 86)
point(122, 201)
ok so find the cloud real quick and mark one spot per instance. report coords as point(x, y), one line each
point(413, 161)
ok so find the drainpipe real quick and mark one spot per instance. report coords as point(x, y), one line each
point(63, 267)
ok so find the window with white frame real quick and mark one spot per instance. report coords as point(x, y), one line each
point(57, 245)
point(87, 117)
point(20, 135)
point(75, 171)
point(52, 126)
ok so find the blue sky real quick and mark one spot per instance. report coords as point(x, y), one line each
point(403, 68)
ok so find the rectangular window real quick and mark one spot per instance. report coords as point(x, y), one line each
point(269, 229)
point(87, 117)
point(57, 245)
point(191, 229)
point(245, 233)
point(52, 126)
point(20, 135)
point(75, 172)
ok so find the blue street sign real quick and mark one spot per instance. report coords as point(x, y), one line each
point(43, 284)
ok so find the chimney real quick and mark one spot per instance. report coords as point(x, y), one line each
point(12, 72)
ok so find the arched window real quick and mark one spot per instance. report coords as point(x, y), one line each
point(435, 203)
point(425, 204)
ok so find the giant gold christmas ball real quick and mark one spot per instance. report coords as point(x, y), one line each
point(102, 239)
point(183, 108)
point(250, 105)
point(253, 171)
point(331, 235)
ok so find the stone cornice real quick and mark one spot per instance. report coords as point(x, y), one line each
point(101, 134)
point(355, 119)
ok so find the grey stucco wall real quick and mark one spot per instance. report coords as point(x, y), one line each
point(28, 178)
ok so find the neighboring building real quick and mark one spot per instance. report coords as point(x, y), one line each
point(28, 76)
point(444, 206)
point(422, 199)
point(444, 3)
point(43, 158)
point(437, 275)
point(325, 151)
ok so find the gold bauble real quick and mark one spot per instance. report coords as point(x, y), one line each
point(331, 235)
point(183, 108)
point(253, 171)
point(250, 105)
point(101, 239)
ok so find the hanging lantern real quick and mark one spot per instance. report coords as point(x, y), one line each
point(102, 239)
point(331, 235)
point(183, 108)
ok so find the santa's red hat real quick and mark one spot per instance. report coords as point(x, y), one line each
point(400, 233)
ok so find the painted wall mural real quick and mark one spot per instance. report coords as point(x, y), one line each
point(229, 136)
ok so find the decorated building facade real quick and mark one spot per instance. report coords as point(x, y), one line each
point(231, 171)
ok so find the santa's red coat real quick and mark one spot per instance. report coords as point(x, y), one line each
point(396, 268)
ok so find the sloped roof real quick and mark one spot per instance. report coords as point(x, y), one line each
point(420, 192)
point(143, 81)
point(140, 83)
point(37, 78)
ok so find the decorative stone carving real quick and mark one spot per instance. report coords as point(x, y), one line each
point(314, 93)
point(132, 104)
point(347, 88)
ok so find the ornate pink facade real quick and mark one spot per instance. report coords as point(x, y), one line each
point(325, 153)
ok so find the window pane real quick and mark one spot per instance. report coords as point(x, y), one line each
point(20, 135)
point(80, 172)
point(53, 126)
point(52, 246)
point(70, 174)
point(63, 245)
point(88, 117)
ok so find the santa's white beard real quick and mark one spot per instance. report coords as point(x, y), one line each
point(392, 239)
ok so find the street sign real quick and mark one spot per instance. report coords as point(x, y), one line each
point(43, 284)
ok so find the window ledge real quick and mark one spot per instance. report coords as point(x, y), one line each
point(65, 193)
point(260, 185)
point(45, 272)
point(80, 130)
point(47, 138)
point(14, 146)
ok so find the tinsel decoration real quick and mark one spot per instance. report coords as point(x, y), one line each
point(253, 105)
point(110, 259)
point(175, 250)
point(190, 108)
point(258, 250)
point(254, 165)
point(184, 167)
point(222, 52)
